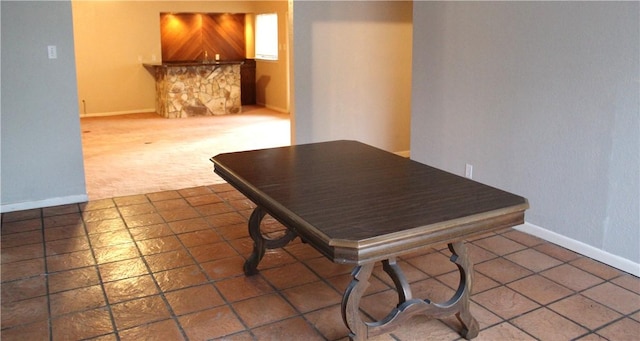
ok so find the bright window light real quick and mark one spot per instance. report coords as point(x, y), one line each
point(267, 36)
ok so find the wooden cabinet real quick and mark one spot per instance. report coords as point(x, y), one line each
point(248, 82)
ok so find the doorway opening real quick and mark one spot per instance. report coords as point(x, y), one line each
point(128, 152)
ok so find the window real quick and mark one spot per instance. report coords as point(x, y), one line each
point(267, 36)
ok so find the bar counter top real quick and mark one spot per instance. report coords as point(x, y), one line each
point(193, 63)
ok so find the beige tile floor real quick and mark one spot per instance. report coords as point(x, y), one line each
point(167, 265)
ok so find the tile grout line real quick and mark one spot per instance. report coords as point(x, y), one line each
point(505, 285)
point(210, 280)
point(46, 276)
point(273, 287)
point(100, 280)
point(573, 292)
point(278, 291)
point(150, 272)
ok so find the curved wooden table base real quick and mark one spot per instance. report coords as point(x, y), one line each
point(407, 305)
point(261, 243)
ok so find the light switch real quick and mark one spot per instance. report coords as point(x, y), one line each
point(52, 51)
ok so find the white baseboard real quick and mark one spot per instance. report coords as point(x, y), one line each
point(72, 199)
point(278, 109)
point(115, 113)
point(582, 248)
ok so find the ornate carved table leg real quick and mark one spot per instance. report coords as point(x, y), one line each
point(351, 302)
point(407, 306)
point(395, 273)
point(461, 258)
point(251, 265)
point(261, 243)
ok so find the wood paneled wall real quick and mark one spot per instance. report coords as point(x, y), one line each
point(186, 36)
point(181, 37)
point(224, 34)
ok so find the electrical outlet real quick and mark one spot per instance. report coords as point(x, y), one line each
point(52, 52)
point(468, 171)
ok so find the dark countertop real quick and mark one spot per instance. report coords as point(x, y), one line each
point(193, 63)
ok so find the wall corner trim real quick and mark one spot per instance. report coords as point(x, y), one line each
point(600, 255)
point(72, 199)
point(404, 153)
point(275, 108)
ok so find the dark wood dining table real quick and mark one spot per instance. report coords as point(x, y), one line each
point(357, 204)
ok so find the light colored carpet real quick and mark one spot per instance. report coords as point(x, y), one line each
point(144, 153)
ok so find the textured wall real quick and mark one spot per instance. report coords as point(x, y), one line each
point(543, 99)
point(41, 148)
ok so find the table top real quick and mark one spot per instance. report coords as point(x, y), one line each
point(356, 203)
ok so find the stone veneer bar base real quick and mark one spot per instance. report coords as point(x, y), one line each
point(191, 89)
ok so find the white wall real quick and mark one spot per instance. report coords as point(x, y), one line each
point(41, 146)
point(352, 72)
point(543, 99)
